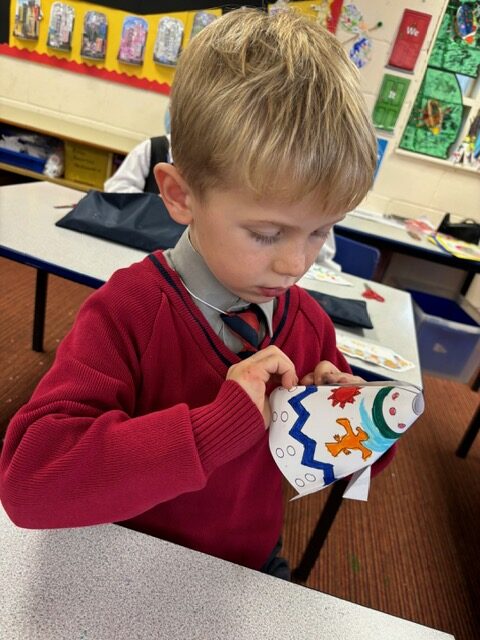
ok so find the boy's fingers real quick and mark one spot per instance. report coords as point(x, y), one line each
point(325, 372)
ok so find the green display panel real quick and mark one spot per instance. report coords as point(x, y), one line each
point(457, 47)
point(436, 117)
point(389, 102)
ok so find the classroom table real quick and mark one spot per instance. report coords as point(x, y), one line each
point(28, 235)
point(110, 582)
point(387, 234)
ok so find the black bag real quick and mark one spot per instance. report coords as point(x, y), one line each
point(345, 311)
point(468, 230)
point(138, 220)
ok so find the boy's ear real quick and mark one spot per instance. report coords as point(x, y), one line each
point(174, 191)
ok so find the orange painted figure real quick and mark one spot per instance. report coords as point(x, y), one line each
point(349, 441)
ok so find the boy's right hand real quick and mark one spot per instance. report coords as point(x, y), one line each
point(255, 372)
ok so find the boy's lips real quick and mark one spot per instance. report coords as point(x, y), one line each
point(272, 292)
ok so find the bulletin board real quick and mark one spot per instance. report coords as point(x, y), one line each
point(60, 34)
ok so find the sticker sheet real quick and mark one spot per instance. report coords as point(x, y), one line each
point(371, 352)
point(321, 434)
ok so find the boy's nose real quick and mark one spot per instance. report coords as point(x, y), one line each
point(291, 264)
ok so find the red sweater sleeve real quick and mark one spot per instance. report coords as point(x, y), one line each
point(77, 454)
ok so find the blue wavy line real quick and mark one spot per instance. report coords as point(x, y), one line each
point(309, 445)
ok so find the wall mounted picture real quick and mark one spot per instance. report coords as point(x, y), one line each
point(409, 40)
point(436, 118)
point(389, 102)
point(28, 14)
point(60, 28)
point(168, 41)
point(94, 36)
point(134, 37)
point(200, 21)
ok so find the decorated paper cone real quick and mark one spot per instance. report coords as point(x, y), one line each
point(321, 434)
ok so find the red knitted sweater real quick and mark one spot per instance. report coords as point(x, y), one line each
point(135, 423)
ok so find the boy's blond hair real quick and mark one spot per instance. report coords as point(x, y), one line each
point(271, 104)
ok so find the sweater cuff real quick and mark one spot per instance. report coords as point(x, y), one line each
point(227, 427)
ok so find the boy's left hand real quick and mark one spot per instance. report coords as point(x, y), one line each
point(327, 373)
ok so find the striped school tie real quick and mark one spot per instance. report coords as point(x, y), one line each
point(245, 324)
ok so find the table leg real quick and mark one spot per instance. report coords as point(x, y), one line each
point(325, 521)
point(39, 311)
point(469, 435)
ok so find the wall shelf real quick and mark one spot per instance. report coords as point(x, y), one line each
point(447, 164)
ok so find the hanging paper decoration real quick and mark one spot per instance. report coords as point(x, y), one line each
point(436, 117)
point(361, 52)
point(201, 20)
point(321, 434)
point(28, 14)
point(60, 28)
point(94, 36)
point(134, 37)
point(168, 41)
point(389, 102)
point(409, 40)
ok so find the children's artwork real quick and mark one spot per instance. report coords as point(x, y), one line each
point(436, 117)
point(457, 45)
point(168, 41)
point(60, 28)
point(201, 20)
point(319, 434)
point(389, 102)
point(94, 36)
point(372, 353)
point(409, 40)
point(466, 22)
point(134, 37)
point(457, 248)
point(322, 274)
point(361, 51)
point(28, 14)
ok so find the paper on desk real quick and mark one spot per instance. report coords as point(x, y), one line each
point(322, 274)
point(371, 352)
point(457, 248)
point(319, 434)
point(381, 218)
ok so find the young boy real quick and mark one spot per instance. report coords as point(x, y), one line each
point(149, 416)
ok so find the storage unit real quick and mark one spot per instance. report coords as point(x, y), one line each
point(448, 337)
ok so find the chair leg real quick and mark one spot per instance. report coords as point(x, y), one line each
point(39, 310)
point(469, 435)
point(325, 521)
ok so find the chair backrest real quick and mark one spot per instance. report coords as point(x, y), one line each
point(356, 258)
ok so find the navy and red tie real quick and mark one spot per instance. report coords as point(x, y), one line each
point(245, 324)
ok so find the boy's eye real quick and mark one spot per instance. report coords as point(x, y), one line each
point(265, 238)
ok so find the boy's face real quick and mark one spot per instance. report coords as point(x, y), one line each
point(258, 250)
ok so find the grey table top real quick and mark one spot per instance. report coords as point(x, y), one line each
point(107, 582)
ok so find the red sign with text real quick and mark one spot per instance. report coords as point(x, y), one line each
point(408, 43)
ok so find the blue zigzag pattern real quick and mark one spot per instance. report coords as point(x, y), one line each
point(309, 445)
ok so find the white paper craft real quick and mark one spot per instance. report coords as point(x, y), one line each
point(321, 434)
point(322, 274)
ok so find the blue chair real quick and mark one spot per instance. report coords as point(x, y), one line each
point(356, 258)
